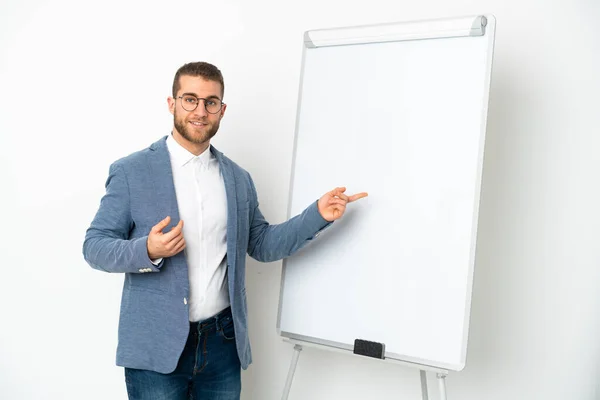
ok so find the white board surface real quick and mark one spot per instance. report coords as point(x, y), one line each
point(405, 121)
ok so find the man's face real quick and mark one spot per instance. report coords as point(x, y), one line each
point(198, 126)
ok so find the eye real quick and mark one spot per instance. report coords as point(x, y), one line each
point(190, 99)
point(211, 103)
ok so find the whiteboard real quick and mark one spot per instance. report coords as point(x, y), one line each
point(399, 111)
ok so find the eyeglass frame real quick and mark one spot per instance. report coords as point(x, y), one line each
point(204, 102)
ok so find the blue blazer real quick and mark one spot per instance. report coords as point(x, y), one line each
point(154, 320)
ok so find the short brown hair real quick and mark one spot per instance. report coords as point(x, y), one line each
point(203, 69)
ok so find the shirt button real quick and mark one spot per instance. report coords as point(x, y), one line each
point(185, 301)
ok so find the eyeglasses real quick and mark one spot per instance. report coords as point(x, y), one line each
point(190, 102)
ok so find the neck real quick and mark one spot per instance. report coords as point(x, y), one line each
point(194, 148)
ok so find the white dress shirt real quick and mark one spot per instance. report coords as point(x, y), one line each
point(202, 203)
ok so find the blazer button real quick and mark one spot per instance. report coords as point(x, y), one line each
point(185, 301)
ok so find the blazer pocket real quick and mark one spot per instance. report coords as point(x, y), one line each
point(149, 282)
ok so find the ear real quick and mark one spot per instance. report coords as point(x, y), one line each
point(171, 103)
point(223, 109)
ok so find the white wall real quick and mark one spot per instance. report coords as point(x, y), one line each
point(69, 72)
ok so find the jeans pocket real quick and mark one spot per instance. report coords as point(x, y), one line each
point(227, 329)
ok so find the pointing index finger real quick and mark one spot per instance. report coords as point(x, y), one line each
point(357, 196)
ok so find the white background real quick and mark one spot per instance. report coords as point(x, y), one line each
point(82, 84)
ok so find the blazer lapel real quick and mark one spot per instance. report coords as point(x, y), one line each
point(159, 166)
point(232, 211)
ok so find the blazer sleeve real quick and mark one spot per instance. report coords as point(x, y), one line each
point(269, 243)
point(107, 245)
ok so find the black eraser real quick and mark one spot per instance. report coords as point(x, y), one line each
point(369, 349)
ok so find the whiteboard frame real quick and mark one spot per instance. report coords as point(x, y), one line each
point(480, 25)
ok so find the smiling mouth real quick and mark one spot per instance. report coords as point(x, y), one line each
point(198, 123)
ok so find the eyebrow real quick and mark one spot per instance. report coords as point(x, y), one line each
point(208, 97)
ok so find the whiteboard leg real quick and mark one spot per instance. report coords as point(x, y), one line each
point(424, 392)
point(442, 383)
point(290, 377)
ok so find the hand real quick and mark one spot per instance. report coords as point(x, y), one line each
point(160, 244)
point(333, 204)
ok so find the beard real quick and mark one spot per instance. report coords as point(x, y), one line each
point(192, 134)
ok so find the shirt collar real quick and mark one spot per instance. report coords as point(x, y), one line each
point(181, 156)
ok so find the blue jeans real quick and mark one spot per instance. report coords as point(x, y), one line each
point(208, 369)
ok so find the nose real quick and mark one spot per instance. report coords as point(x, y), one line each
point(201, 109)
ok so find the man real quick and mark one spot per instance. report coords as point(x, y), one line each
point(183, 322)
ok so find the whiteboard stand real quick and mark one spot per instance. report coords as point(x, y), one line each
point(290, 377)
point(424, 391)
point(442, 384)
point(410, 101)
point(441, 374)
